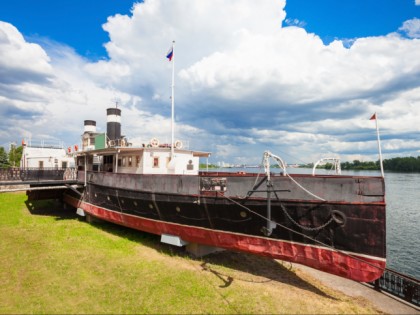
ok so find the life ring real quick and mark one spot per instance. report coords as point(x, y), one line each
point(178, 144)
point(154, 142)
point(339, 217)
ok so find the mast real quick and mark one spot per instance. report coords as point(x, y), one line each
point(375, 117)
point(173, 101)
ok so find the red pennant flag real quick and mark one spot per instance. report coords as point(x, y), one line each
point(373, 117)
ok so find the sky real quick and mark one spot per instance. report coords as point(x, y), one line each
point(298, 78)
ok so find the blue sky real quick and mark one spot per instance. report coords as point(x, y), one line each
point(332, 19)
point(299, 78)
point(78, 23)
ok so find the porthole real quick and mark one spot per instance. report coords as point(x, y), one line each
point(96, 195)
point(122, 201)
point(150, 206)
point(178, 209)
point(135, 203)
point(243, 214)
point(108, 198)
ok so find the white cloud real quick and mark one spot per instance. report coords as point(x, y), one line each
point(19, 57)
point(295, 22)
point(411, 28)
point(244, 83)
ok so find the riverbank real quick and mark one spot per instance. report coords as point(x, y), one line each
point(54, 263)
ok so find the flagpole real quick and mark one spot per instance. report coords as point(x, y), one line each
point(379, 144)
point(173, 101)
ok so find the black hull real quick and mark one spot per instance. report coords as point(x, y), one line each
point(352, 225)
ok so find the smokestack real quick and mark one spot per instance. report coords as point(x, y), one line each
point(113, 123)
point(90, 126)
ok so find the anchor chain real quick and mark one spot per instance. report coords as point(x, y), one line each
point(303, 227)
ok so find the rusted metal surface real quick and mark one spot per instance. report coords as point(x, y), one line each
point(205, 202)
point(315, 220)
point(358, 268)
point(172, 184)
point(346, 189)
point(332, 188)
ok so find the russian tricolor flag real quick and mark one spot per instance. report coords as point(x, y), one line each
point(170, 54)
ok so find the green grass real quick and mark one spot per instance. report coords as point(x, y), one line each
point(52, 262)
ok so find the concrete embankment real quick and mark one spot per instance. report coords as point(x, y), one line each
point(383, 302)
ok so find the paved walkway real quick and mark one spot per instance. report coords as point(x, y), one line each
point(381, 301)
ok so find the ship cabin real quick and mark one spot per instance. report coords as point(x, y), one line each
point(143, 160)
point(112, 152)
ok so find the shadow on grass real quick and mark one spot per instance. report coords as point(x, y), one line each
point(52, 208)
point(261, 269)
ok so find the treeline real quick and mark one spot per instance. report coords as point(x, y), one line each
point(398, 164)
point(204, 166)
point(11, 159)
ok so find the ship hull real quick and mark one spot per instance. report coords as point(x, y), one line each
point(344, 236)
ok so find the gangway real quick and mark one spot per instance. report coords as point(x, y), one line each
point(39, 183)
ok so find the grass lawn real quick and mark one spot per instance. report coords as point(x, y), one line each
point(52, 262)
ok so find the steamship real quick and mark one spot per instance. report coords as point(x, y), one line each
point(333, 223)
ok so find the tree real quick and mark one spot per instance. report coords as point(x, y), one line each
point(4, 161)
point(15, 155)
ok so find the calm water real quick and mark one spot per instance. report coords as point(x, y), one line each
point(403, 217)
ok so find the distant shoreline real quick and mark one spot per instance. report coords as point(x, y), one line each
point(399, 164)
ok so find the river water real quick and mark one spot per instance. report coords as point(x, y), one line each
point(403, 216)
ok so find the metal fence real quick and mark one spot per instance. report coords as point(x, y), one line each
point(37, 174)
point(399, 285)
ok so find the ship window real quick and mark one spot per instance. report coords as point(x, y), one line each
point(63, 164)
point(155, 162)
point(81, 163)
point(137, 160)
point(41, 164)
point(130, 161)
point(124, 161)
point(108, 159)
point(119, 162)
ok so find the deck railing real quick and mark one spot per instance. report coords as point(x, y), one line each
point(37, 174)
point(399, 285)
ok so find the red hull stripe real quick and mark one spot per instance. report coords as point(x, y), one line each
point(355, 267)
